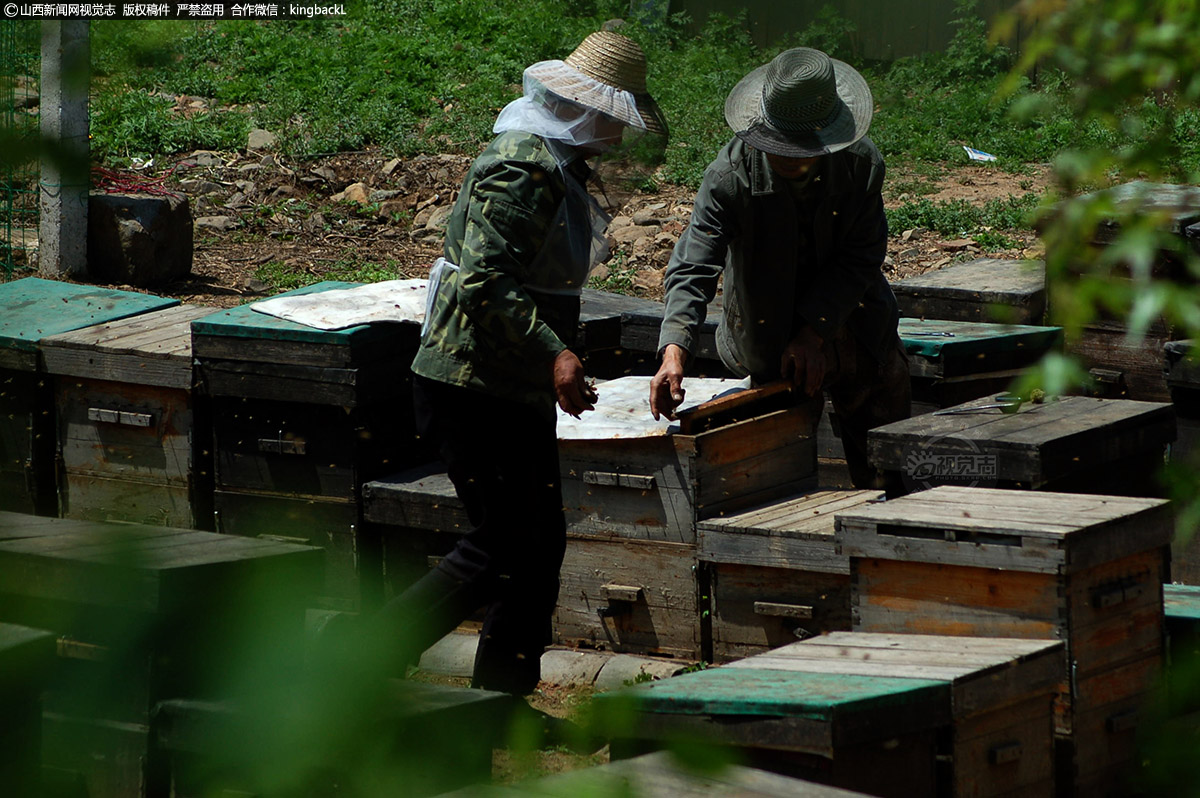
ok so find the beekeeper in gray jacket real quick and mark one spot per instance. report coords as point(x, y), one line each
point(791, 212)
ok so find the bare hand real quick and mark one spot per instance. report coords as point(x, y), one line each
point(666, 388)
point(803, 361)
point(570, 387)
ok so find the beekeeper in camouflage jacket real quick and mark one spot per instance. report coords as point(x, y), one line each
point(495, 353)
point(790, 213)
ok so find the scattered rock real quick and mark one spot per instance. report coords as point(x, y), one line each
point(205, 158)
point(437, 220)
point(909, 254)
point(390, 209)
point(390, 167)
point(910, 235)
point(250, 167)
point(315, 223)
point(193, 186)
point(355, 192)
point(219, 224)
point(647, 216)
point(383, 195)
point(325, 173)
point(957, 245)
point(260, 139)
point(648, 279)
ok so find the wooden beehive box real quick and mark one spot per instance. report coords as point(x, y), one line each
point(143, 613)
point(982, 290)
point(301, 418)
point(628, 476)
point(599, 340)
point(132, 442)
point(1073, 443)
point(953, 361)
point(624, 595)
point(1104, 343)
point(949, 362)
point(429, 739)
point(417, 518)
point(875, 734)
point(991, 563)
point(32, 309)
point(1001, 698)
point(26, 657)
point(640, 327)
point(774, 574)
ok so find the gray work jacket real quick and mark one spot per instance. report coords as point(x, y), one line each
point(779, 277)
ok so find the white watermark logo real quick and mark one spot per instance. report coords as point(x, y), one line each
point(943, 461)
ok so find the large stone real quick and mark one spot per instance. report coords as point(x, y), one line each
point(139, 239)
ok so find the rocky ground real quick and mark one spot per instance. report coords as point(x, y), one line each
point(260, 218)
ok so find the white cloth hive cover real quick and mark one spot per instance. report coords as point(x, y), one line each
point(623, 408)
point(391, 300)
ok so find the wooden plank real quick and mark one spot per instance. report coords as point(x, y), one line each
point(741, 626)
point(97, 498)
point(664, 621)
point(925, 598)
point(1009, 752)
point(1031, 515)
point(738, 406)
point(419, 498)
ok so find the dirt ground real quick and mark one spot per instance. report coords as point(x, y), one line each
point(258, 215)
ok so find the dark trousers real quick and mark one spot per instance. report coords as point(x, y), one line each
point(502, 457)
point(865, 393)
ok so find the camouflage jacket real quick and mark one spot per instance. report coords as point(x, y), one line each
point(785, 265)
point(498, 321)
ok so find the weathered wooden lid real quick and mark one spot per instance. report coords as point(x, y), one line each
point(1019, 530)
point(143, 568)
point(32, 309)
point(1035, 444)
point(154, 348)
point(983, 280)
point(796, 532)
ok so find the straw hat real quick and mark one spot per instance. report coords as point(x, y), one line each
point(800, 105)
point(607, 58)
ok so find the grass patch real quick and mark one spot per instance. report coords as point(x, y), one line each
point(960, 218)
point(284, 277)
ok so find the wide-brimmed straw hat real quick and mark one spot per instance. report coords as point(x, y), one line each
point(800, 105)
point(610, 59)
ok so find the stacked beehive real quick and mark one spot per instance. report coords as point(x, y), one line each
point(134, 443)
point(1084, 569)
point(301, 418)
point(35, 309)
point(144, 613)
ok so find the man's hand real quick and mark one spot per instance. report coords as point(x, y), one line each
point(666, 388)
point(803, 361)
point(574, 394)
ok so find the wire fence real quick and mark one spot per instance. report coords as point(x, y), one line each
point(20, 50)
